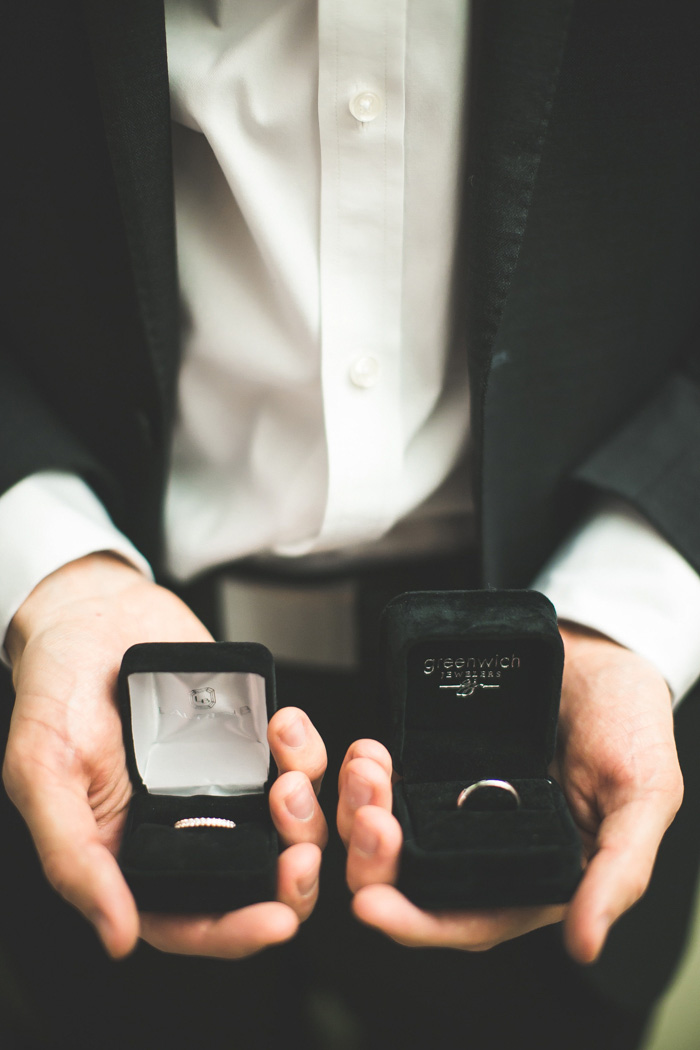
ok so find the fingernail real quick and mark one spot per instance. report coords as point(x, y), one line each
point(307, 883)
point(365, 840)
point(294, 734)
point(359, 790)
point(301, 802)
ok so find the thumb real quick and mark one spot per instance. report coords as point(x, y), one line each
point(78, 865)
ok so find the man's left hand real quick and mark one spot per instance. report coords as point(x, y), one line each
point(616, 762)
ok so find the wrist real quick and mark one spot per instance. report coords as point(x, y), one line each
point(99, 575)
point(578, 634)
point(592, 657)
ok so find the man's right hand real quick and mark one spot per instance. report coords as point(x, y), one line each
point(65, 767)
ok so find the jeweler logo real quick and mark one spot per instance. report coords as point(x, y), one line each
point(203, 699)
point(464, 675)
point(469, 686)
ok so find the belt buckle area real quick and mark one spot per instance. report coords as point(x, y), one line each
point(303, 623)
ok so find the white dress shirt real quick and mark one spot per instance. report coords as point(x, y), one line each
point(316, 161)
point(323, 405)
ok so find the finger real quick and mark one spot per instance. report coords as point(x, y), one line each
point(368, 748)
point(231, 936)
point(384, 908)
point(374, 848)
point(297, 878)
point(362, 782)
point(297, 745)
point(296, 812)
point(78, 865)
point(617, 875)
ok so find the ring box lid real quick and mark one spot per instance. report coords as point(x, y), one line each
point(195, 716)
point(474, 680)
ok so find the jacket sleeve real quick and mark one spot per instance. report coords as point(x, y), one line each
point(653, 462)
point(33, 438)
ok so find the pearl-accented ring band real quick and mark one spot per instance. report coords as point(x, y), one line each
point(205, 822)
point(489, 795)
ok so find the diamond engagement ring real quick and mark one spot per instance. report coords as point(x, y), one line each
point(205, 822)
point(489, 795)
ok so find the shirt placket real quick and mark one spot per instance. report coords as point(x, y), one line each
point(361, 125)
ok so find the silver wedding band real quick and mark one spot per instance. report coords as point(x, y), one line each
point(472, 791)
point(204, 822)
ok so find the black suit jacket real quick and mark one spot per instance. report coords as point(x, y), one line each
point(581, 222)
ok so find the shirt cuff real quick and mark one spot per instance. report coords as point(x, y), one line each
point(618, 575)
point(47, 520)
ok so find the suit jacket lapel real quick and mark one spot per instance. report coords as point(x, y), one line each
point(517, 53)
point(128, 44)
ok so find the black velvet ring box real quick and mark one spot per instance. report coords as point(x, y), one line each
point(195, 720)
point(474, 680)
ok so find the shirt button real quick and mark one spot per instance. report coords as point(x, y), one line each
point(365, 106)
point(364, 371)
